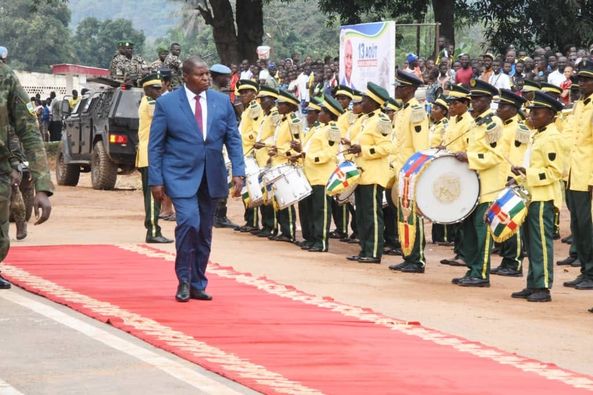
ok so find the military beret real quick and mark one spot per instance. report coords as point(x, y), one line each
point(531, 86)
point(125, 43)
point(332, 105)
point(152, 79)
point(551, 88)
point(244, 85)
point(586, 71)
point(508, 97)
point(482, 88)
point(407, 79)
point(266, 91)
point(545, 100)
point(220, 69)
point(344, 91)
point(162, 50)
point(457, 92)
point(286, 97)
point(376, 93)
point(314, 104)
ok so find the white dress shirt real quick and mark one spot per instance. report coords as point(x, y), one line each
point(191, 98)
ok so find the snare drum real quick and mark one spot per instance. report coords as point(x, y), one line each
point(270, 175)
point(505, 216)
point(253, 183)
point(291, 187)
point(343, 180)
point(346, 196)
point(443, 189)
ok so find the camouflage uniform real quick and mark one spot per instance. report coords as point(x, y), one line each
point(156, 65)
point(122, 68)
point(17, 158)
point(16, 111)
point(174, 63)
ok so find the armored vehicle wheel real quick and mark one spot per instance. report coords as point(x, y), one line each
point(103, 170)
point(66, 174)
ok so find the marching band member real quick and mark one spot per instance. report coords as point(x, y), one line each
point(320, 152)
point(515, 137)
point(580, 181)
point(313, 110)
point(347, 212)
point(411, 136)
point(371, 148)
point(390, 234)
point(341, 213)
point(441, 234)
point(265, 137)
point(289, 130)
point(543, 174)
point(485, 154)
point(455, 140)
point(248, 126)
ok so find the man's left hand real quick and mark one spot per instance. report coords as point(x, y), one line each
point(237, 186)
point(41, 202)
point(354, 149)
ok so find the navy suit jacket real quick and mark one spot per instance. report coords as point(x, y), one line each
point(178, 156)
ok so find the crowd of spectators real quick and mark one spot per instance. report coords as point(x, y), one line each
point(311, 77)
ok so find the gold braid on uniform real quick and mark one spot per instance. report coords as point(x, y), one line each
point(333, 134)
point(384, 125)
point(522, 135)
point(418, 114)
point(493, 131)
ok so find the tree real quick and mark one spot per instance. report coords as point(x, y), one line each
point(530, 23)
point(36, 33)
point(95, 41)
point(236, 34)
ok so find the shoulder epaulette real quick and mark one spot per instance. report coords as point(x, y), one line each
point(493, 132)
point(418, 114)
point(522, 134)
point(384, 125)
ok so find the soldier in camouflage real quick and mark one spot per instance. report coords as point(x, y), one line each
point(173, 62)
point(16, 111)
point(17, 204)
point(127, 67)
point(160, 62)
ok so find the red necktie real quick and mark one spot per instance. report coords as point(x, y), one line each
point(198, 115)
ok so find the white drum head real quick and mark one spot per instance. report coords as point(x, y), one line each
point(447, 191)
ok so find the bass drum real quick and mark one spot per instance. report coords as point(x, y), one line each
point(446, 190)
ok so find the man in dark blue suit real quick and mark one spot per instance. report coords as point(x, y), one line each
point(189, 128)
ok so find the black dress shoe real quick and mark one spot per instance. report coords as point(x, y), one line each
point(567, 239)
point(506, 271)
point(337, 235)
point(199, 295)
point(445, 243)
point(265, 233)
point(4, 284)
point(567, 261)
point(412, 268)
point(576, 263)
point(523, 294)
point(457, 280)
point(353, 257)
point(353, 241)
point(393, 251)
point(283, 238)
point(369, 259)
point(247, 229)
point(397, 266)
point(540, 295)
point(573, 283)
point(223, 222)
point(456, 261)
point(316, 249)
point(586, 284)
point(158, 239)
point(473, 282)
point(183, 293)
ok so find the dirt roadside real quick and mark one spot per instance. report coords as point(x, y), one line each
point(560, 332)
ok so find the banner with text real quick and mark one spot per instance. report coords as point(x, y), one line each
point(367, 53)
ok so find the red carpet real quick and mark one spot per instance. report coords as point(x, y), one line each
point(274, 338)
